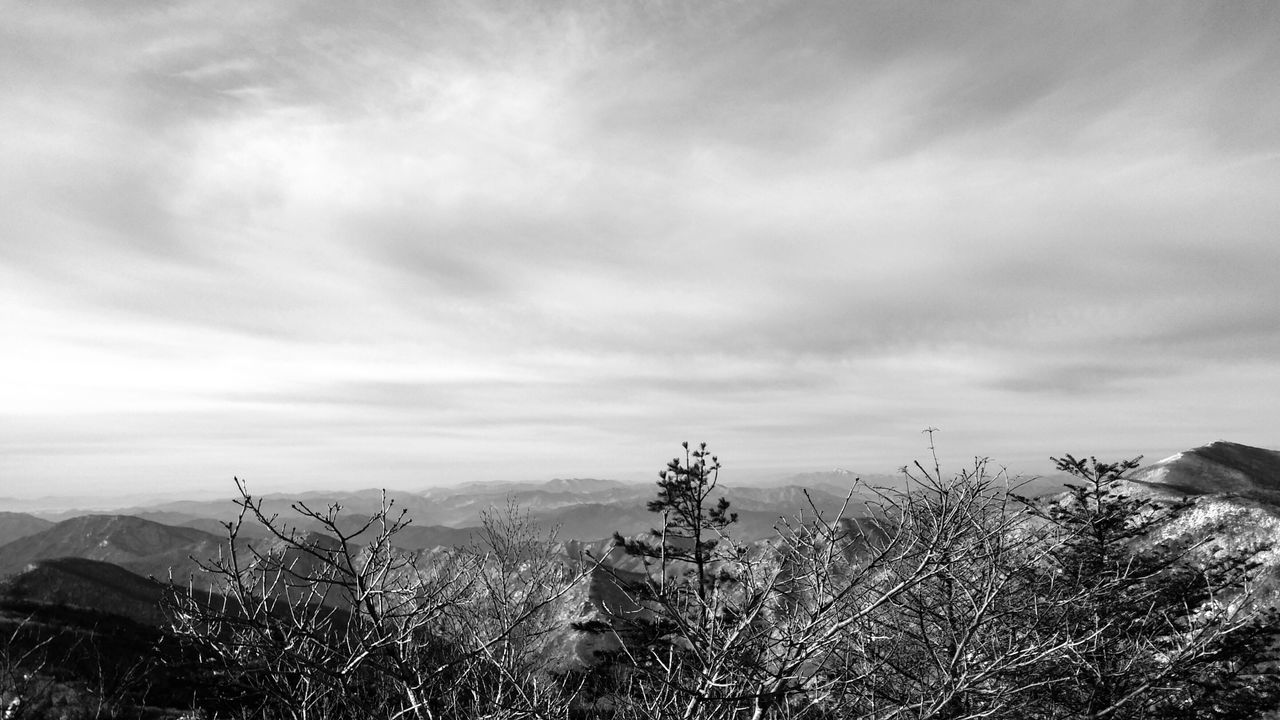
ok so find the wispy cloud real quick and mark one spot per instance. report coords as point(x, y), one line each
point(525, 239)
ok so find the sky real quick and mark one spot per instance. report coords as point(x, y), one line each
point(350, 245)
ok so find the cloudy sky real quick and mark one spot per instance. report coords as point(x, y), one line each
point(352, 245)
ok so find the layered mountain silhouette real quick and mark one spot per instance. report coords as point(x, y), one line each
point(581, 508)
point(14, 525)
point(103, 561)
point(140, 546)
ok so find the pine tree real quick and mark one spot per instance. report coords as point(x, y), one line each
point(692, 527)
point(675, 611)
point(1159, 635)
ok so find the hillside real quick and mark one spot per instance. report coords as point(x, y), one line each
point(14, 525)
point(92, 584)
point(1233, 491)
point(89, 640)
point(141, 546)
point(1219, 468)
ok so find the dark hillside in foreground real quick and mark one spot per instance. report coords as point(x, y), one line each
point(87, 641)
point(88, 584)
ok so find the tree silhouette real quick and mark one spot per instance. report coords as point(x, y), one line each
point(692, 527)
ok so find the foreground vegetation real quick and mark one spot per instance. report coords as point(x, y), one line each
point(954, 598)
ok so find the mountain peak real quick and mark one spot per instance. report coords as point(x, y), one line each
point(135, 543)
point(1219, 468)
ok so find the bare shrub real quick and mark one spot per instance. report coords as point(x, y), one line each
point(333, 623)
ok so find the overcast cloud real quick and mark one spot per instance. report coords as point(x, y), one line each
point(322, 246)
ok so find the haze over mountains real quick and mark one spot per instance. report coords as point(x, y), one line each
point(1236, 490)
point(98, 580)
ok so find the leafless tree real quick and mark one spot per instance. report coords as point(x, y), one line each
point(948, 599)
point(967, 640)
point(333, 623)
point(930, 603)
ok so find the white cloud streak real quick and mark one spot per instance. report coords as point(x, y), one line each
point(520, 240)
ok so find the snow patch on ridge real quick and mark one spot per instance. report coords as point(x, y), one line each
point(1156, 474)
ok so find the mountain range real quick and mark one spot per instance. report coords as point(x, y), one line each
point(141, 546)
point(1234, 490)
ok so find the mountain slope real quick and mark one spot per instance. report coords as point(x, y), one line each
point(141, 546)
point(14, 525)
point(1219, 468)
point(1232, 493)
point(93, 584)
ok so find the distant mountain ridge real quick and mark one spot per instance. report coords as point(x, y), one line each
point(14, 525)
point(101, 561)
point(148, 540)
point(581, 508)
point(579, 485)
point(141, 546)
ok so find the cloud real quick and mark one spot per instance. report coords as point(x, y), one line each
point(485, 230)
